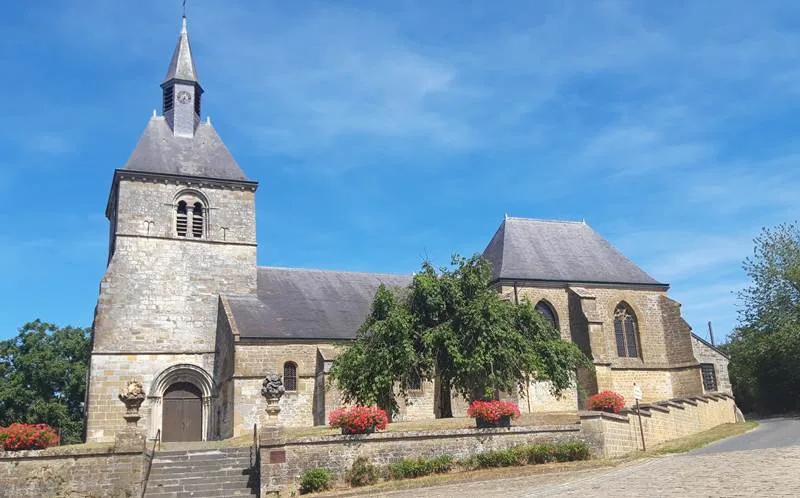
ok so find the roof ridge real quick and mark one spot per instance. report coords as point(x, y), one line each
point(544, 220)
point(323, 270)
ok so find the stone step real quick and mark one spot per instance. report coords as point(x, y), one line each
point(218, 451)
point(198, 471)
point(196, 486)
point(242, 463)
point(200, 494)
point(200, 455)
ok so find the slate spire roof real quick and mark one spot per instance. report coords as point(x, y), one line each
point(182, 67)
point(201, 153)
point(559, 251)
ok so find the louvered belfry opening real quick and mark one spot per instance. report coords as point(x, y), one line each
point(181, 221)
point(197, 220)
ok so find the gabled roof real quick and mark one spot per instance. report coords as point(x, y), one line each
point(181, 67)
point(709, 345)
point(203, 155)
point(559, 251)
point(308, 304)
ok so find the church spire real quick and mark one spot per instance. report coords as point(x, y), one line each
point(181, 88)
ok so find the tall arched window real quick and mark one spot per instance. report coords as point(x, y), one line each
point(290, 376)
point(625, 331)
point(181, 221)
point(547, 311)
point(197, 220)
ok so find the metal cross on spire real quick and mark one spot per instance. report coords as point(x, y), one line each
point(184, 8)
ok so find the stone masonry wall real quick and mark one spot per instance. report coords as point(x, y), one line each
point(338, 453)
point(84, 473)
point(666, 367)
point(110, 372)
point(618, 435)
point(706, 354)
point(160, 292)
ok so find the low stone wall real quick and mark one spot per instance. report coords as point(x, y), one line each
point(282, 462)
point(613, 435)
point(71, 472)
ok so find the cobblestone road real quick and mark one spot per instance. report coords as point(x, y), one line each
point(773, 471)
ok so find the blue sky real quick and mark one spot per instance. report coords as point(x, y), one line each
point(386, 132)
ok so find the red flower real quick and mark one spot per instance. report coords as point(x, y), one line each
point(492, 411)
point(605, 401)
point(27, 437)
point(358, 419)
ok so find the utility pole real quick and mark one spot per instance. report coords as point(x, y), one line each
point(711, 333)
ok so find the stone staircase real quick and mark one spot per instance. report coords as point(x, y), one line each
point(198, 472)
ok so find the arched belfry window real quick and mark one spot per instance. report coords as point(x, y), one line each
point(181, 220)
point(191, 214)
point(290, 376)
point(197, 220)
point(626, 331)
point(547, 311)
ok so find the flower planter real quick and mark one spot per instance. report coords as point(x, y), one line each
point(348, 431)
point(504, 421)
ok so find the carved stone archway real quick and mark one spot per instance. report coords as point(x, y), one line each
point(182, 373)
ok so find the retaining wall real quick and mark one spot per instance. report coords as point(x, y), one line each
point(71, 472)
point(614, 435)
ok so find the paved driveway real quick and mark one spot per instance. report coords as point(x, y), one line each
point(764, 462)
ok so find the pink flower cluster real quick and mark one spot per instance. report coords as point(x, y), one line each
point(358, 419)
point(492, 411)
point(605, 401)
point(27, 437)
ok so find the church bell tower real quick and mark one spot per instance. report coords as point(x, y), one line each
point(181, 90)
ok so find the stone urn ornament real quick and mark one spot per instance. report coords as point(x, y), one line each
point(132, 395)
point(272, 389)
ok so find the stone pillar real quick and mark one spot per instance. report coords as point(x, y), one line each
point(131, 438)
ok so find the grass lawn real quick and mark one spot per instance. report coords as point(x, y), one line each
point(701, 439)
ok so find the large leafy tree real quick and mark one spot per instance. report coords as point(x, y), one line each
point(43, 377)
point(450, 326)
point(764, 350)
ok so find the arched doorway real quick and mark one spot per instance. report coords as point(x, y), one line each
point(174, 398)
point(182, 419)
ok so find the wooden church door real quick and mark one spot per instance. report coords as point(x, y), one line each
point(182, 419)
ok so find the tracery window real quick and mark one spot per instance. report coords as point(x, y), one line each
point(547, 311)
point(290, 376)
point(626, 331)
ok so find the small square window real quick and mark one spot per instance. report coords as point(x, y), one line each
point(709, 376)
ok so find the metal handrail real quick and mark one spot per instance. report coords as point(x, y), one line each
point(255, 454)
point(156, 442)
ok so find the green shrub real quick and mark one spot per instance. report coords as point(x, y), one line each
point(533, 454)
point(576, 450)
point(408, 469)
point(362, 473)
point(314, 480)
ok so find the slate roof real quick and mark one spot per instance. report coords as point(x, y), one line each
point(204, 155)
point(182, 67)
point(308, 304)
point(560, 251)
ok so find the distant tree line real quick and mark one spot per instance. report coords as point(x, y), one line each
point(43, 377)
point(765, 348)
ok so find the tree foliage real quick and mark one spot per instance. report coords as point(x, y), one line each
point(43, 377)
point(764, 350)
point(451, 326)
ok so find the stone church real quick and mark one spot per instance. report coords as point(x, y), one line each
point(184, 307)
